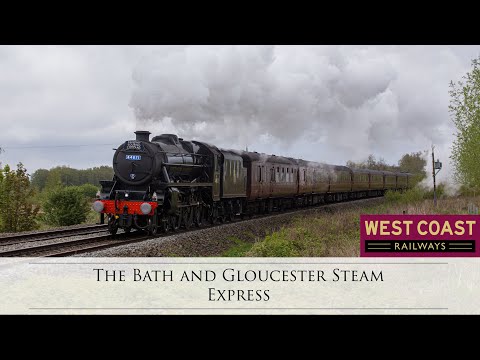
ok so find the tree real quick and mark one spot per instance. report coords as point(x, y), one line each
point(53, 181)
point(372, 163)
point(65, 175)
point(39, 178)
point(17, 210)
point(415, 164)
point(465, 109)
point(89, 190)
point(66, 206)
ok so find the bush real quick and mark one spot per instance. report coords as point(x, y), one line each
point(410, 196)
point(413, 195)
point(66, 206)
point(18, 212)
point(468, 191)
point(89, 190)
point(393, 196)
point(440, 190)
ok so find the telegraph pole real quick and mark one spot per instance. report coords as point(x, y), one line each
point(436, 165)
point(433, 173)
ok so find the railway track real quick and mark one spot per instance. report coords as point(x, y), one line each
point(51, 234)
point(78, 246)
point(72, 247)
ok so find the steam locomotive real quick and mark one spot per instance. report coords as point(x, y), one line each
point(168, 182)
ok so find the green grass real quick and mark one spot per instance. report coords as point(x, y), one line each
point(92, 218)
point(239, 249)
point(337, 232)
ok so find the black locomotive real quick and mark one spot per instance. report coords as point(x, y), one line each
point(167, 182)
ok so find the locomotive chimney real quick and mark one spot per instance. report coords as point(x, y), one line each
point(142, 135)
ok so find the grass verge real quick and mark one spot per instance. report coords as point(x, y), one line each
point(336, 233)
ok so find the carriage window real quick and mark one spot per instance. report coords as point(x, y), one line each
point(259, 174)
point(304, 175)
point(272, 174)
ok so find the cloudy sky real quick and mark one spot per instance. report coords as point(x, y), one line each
point(70, 105)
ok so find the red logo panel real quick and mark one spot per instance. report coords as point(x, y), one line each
point(420, 235)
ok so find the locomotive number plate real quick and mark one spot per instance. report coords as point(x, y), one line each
point(133, 157)
point(134, 145)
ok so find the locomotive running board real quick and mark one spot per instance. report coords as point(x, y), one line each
point(182, 165)
point(188, 184)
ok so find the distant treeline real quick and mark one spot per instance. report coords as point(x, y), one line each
point(43, 178)
point(413, 163)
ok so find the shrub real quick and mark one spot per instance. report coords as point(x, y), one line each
point(414, 195)
point(18, 212)
point(440, 190)
point(393, 196)
point(89, 190)
point(410, 196)
point(66, 206)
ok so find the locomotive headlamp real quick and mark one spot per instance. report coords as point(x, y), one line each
point(98, 206)
point(145, 208)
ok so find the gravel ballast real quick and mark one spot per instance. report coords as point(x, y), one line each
point(78, 226)
point(215, 240)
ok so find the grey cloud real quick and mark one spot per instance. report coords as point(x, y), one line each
point(321, 103)
point(324, 103)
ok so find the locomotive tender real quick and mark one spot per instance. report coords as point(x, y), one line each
point(167, 182)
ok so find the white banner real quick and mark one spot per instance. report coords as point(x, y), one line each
point(240, 286)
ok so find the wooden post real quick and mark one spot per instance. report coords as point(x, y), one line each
point(433, 173)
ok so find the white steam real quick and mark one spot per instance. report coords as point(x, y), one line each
point(321, 103)
point(444, 176)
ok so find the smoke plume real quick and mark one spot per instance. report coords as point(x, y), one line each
point(321, 103)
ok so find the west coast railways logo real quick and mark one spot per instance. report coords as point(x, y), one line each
point(420, 235)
